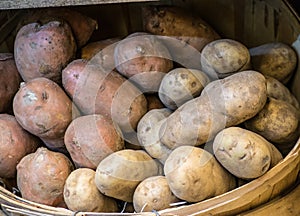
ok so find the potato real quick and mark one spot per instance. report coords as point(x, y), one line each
point(144, 59)
point(81, 194)
point(153, 193)
point(15, 143)
point(244, 153)
point(95, 91)
point(44, 50)
point(193, 174)
point(225, 57)
point(154, 102)
point(181, 85)
point(43, 108)
point(277, 122)
point(119, 173)
point(222, 103)
point(89, 139)
point(274, 59)
point(82, 25)
point(148, 133)
point(10, 80)
point(41, 176)
point(277, 90)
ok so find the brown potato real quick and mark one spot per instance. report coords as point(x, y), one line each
point(225, 57)
point(193, 174)
point(153, 193)
point(154, 102)
point(274, 59)
point(10, 80)
point(41, 176)
point(15, 143)
point(44, 50)
point(89, 139)
point(82, 194)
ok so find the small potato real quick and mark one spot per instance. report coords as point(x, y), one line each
point(148, 133)
point(274, 59)
point(41, 177)
point(225, 57)
point(277, 90)
point(89, 139)
point(181, 85)
point(277, 122)
point(154, 102)
point(119, 174)
point(81, 193)
point(244, 153)
point(193, 174)
point(153, 193)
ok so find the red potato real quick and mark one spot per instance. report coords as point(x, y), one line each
point(15, 143)
point(10, 80)
point(44, 50)
point(91, 138)
point(41, 177)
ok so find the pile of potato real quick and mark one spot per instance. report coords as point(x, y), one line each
point(171, 114)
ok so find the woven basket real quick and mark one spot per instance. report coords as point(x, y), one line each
point(251, 21)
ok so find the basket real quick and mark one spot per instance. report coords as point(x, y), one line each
point(251, 21)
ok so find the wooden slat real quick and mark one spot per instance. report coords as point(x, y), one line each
point(13, 4)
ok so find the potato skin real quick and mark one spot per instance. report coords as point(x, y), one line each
point(44, 50)
point(222, 103)
point(153, 193)
point(118, 174)
point(15, 143)
point(274, 59)
point(41, 176)
point(10, 80)
point(193, 174)
point(154, 102)
point(89, 139)
point(81, 193)
point(244, 153)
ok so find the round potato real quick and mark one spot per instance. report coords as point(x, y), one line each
point(81, 193)
point(119, 174)
point(181, 85)
point(153, 193)
point(244, 153)
point(193, 174)
point(225, 57)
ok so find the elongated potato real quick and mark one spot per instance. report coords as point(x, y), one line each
point(222, 103)
point(244, 153)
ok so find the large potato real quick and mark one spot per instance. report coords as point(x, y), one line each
point(89, 139)
point(274, 59)
point(10, 80)
point(82, 194)
point(41, 176)
point(181, 85)
point(119, 174)
point(44, 50)
point(225, 57)
point(15, 143)
point(193, 174)
point(222, 103)
point(244, 153)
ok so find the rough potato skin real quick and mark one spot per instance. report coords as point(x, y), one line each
point(274, 59)
point(153, 193)
point(81, 193)
point(10, 80)
point(119, 174)
point(91, 138)
point(193, 174)
point(154, 102)
point(43, 108)
point(244, 153)
point(44, 50)
point(222, 103)
point(41, 177)
point(15, 143)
